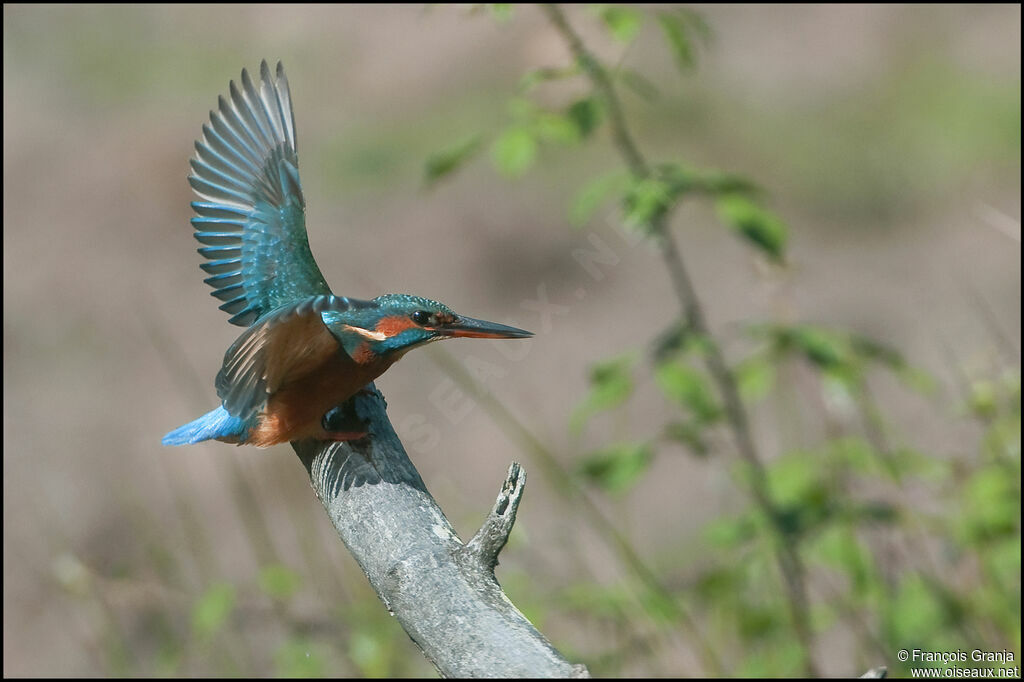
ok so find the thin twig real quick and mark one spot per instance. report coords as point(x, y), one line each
point(788, 558)
point(565, 482)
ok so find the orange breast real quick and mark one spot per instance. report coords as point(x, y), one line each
point(295, 410)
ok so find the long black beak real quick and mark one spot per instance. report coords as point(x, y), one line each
point(481, 329)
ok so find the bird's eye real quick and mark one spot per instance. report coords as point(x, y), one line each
point(421, 317)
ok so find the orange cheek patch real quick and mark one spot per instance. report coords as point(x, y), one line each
point(390, 326)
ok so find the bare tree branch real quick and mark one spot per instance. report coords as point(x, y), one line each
point(443, 592)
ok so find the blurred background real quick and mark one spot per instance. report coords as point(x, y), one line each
point(887, 138)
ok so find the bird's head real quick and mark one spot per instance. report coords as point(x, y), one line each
point(401, 322)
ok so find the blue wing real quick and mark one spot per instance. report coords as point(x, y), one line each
point(251, 213)
point(286, 344)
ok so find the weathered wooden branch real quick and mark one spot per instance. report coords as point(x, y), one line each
point(443, 592)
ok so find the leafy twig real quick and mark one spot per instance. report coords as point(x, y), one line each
point(787, 556)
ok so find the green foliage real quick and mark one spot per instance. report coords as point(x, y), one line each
point(369, 653)
point(514, 151)
point(279, 582)
point(211, 612)
point(646, 201)
point(759, 227)
point(501, 11)
point(298, 657)
point(622, 22)
point(840, 498)
point(756, 377)
point(593, 194)
point(449, 160)
point(682, 28)
point(586, 113)
point(375, 641)
point(545, 74)
point(616, 467)
point(991, 506)
point(611, 384)
point(690, 433)
point(555, 127)
point(688, 387)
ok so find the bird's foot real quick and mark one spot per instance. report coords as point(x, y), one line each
point(343, 424)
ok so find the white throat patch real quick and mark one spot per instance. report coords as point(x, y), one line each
point(366, 333)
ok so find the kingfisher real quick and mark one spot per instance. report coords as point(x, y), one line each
point(304, 351)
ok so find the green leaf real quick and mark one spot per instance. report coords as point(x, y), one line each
point(759, 622)
point(682, 179)
point(371, 652)
point(689, 433)
point(717, 183)
point(795, 477)
point(622, 23)
point(449, 160)
point(542, 75)
point(991, 505)
point(698, 27)
point(611, 383)
point(689, 388)
point(839, 548)
point(757, 225)
point(608, 601)
point(556, 127)
point(645, 201)
point(212, 610)
point(587, 113)
point(719, 584)
point(822, 347)
point(682, 28)
point(522, 109)
point(756, 377)
point(501, 11)
point(514, 151)
point(730, 533)
point(983, 399)
point(679, 337)
point(915, 614)
point(617, 467)
point(905, 461)
point(279, 581)
point(676, 33)
point(798, 485)
point(592, 195)
point(869, 349)
point(661, 608)
point(298, 657)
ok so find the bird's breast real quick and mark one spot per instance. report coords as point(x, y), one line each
point(295, 410)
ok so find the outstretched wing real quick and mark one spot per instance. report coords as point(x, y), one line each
point(284, 345)
point(251, 213)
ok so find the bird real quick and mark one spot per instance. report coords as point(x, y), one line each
point(304, 351)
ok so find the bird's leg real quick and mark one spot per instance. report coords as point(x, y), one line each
point(343, 424)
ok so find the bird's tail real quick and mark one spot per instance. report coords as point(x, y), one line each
point(217, 424)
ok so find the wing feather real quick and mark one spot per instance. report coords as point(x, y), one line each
point(251, 211)
point(276, 350)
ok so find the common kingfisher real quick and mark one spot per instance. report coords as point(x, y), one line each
point(305, 351)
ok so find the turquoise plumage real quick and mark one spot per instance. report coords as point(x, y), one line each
point(304, 350)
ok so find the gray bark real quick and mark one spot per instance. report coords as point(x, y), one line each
point(442, 592)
